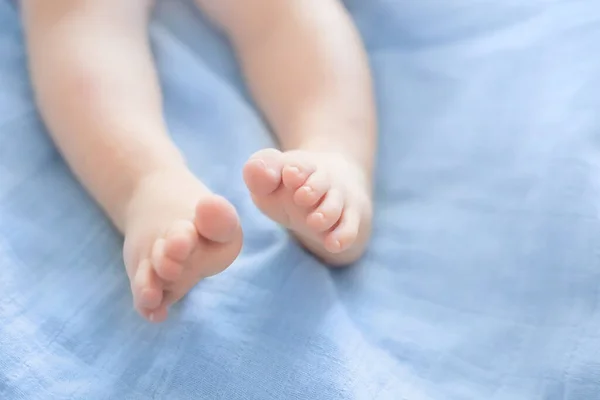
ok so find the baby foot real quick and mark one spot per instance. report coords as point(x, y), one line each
point(177, 233)
point(323, 198)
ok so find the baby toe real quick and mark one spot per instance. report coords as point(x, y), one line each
point(313, 190)
point(180, 240)
point(262, 172)
point(295, 175)
point(328, 213)
point(156, 315)
point(146, 287)
point(216, 220)
point(345, 234)
point(165, 267)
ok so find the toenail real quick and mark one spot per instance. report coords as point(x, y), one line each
point(271, 171)
point(320, 216)
point(308, 189)
point(151, 317)
point(295, 170)
point(263, 165)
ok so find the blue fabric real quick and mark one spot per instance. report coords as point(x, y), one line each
point(483, 278)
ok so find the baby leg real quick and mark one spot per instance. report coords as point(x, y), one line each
point(308, 71)
point(98, 93)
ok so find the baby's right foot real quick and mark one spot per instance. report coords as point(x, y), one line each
point(324, 199)
point(177, 233)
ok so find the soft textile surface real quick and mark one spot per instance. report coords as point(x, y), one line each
point(483, 278)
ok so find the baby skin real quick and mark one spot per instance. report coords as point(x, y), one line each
point(322, 198)
point(104, 112)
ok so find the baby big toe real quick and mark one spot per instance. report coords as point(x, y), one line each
point(216, 220)
point(262, 172)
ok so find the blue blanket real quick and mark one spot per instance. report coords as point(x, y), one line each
point(483, 277)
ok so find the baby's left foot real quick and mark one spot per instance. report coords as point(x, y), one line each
point(323, 198)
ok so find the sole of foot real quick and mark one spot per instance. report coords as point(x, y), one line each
point(324, 199)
